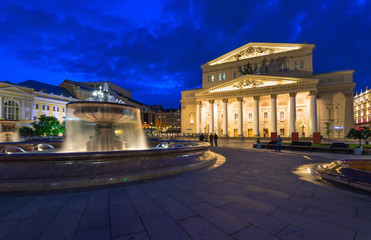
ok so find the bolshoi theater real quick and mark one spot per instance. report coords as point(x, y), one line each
point(264, 89)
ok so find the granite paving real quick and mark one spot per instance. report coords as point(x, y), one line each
point(248, 194)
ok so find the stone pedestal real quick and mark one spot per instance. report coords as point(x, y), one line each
point(273, 136)
point(316, 137)
point(294, 137)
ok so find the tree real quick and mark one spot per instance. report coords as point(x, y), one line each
point(48, 126)
point(361, 133)
point(248, 69)
point(328, 129)
point(26, 132)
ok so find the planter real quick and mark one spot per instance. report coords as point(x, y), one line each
point(358, 150)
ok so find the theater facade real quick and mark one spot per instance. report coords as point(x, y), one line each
point(264, 88)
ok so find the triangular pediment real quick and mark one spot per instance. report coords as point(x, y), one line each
point(252, 50)
point(252, 82)
point(15, 89)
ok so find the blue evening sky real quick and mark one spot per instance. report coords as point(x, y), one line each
point(154, 48)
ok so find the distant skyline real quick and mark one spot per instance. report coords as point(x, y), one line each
point(154, 48)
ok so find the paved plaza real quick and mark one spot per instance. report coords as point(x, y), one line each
point(248, 194)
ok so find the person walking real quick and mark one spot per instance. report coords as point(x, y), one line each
point(211, 138)
point(202, 137)
point(278, 143)
point(216, 140)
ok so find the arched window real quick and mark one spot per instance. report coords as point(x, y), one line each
point(265, 117)
point(331, 114)
point(236, 118)
point(250, 117)
point(11, 110)
point(282, 116)
point(300, 115)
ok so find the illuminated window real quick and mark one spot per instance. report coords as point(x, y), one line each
point(296, 65)
point(282, 132)
point(250, 117)
point(282, 116)
point(212, 78)
point(265, 117)
point(220, 76)
point(300, 115)
point(235, 118)
point(11, 110)
point(223, 76)
point(301, 64)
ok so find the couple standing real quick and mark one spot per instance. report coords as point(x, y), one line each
point(213, 138)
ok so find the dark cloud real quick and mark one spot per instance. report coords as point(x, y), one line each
point(155, 48)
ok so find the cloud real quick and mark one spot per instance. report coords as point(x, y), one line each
point(160, 45)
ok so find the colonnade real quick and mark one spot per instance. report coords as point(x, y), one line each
point(311, 120)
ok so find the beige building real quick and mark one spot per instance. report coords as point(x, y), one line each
point(278, 94)
point(362, 109)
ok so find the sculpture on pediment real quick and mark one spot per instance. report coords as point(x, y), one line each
point(248, 69)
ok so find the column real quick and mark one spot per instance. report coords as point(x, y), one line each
point(256, 116)
point(211, 122)
point(292, 113)
point(225, 117)
point(312, 113)
point(240, 117)
point(274, 113)
point(349, 117)
point(198, 117)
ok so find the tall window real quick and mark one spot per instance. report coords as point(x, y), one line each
point(296, 65)
point(282, 132)
point(301, 64)
point(212, 78)
point(265, 117)
point(43, 107)
point(223, 76)
point(36, 106)
point(280, 68)
point(285, 67)
point(220, 76)
point(250, 117)
point(282, 116)
point(11, 110)
point(300, 115)
point(235, 118)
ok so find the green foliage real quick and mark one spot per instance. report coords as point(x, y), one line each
point(26, 132)
point(361, 133)
point(48, 126)
point(328, 129)
point(248, 69)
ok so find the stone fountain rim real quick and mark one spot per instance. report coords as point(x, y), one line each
point(109, 103)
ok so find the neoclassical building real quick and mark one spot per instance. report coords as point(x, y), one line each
point(279, 94)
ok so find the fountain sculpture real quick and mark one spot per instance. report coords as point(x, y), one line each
point(103, 123)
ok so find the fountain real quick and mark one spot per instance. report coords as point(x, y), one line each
point(104, 144)
point(9, 131)
point(103, 123)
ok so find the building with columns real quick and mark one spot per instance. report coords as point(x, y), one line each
point(362, 109)
point(282, 95)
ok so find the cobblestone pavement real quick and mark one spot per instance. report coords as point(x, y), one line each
point(251, 194)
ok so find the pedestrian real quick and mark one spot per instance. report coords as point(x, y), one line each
point(278, 143)
point(202, 137)
point(216, 140)
point(211, 138)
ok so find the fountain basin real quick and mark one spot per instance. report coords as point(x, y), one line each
point(44, 171)
point(352, 172)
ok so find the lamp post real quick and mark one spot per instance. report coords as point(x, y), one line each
point(302, 128)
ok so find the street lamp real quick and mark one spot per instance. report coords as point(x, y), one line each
point(302, 128)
